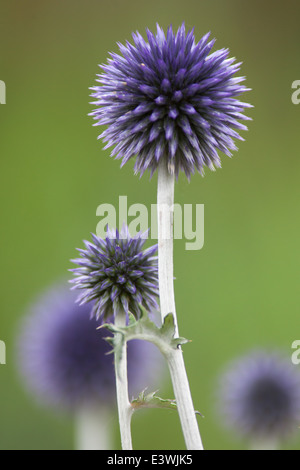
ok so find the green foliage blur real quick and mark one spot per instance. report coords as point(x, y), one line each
point(241, 290)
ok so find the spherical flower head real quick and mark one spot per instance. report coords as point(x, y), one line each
point(260, 396)
point(64, 359)
point(170, 99)
point(116, 273)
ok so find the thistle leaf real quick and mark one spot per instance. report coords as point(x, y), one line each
point(151, 400)
point(145, 329)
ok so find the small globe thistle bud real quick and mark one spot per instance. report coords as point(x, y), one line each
point(63, 358)
point(170, 99)
point(260, 396)
point(117, 273)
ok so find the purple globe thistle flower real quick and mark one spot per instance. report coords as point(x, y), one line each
point(170, 99)
point(116, 273)
point(63, 357)
point(260, 396)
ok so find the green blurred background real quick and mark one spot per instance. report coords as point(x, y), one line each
point(241, 290)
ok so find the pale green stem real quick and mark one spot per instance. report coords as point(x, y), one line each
point(264, 444)
point(165, 208)
point(125, 409)
point(94, 428)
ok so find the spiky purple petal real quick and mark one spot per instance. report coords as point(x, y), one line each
point(116, 273)
point(260, 396)
point(170, 98)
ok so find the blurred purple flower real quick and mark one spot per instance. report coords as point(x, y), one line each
point(116, 273)
point(63, 357)
point(260, 396)
point(170, 98)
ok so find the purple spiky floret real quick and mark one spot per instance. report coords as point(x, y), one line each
point(116, 273)
point(260, 396)
point(63, 358)
point(170, 98)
